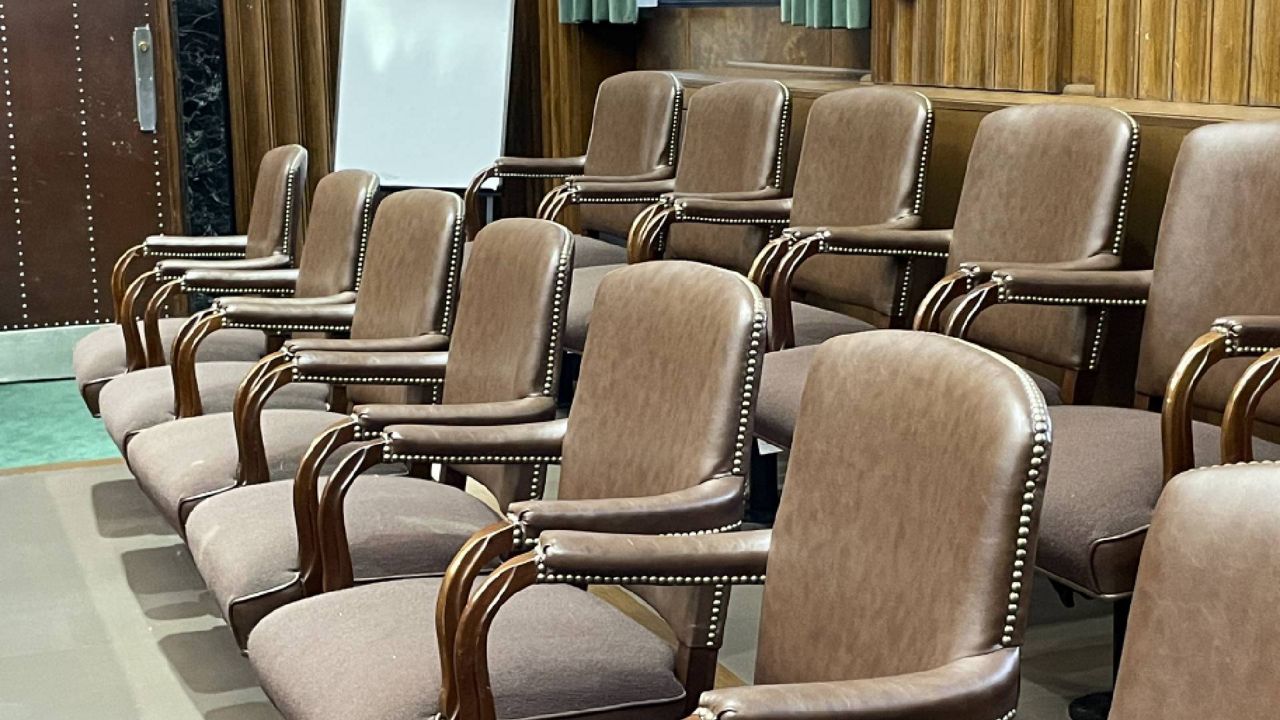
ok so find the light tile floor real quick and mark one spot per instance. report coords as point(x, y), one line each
point(105, 616)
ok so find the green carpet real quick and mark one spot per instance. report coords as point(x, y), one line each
point(47, 422)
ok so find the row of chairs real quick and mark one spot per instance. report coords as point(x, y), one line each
point(701, 339)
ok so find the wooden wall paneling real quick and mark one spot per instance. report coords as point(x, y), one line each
point(663, 42)
point(850, 48)
point(1230, 51)
point(975, 48)
point(1121, 75)
point(1084, 33)
point(316, 52)
point(1192, 38)
point(524, 111)
point(904, 39)
point(883, 23)
point(1264, 67)
point(953, 41)
point(925, 67)
point(1046, 45)
point(1006, 49)
point(1155, 49)
point(283, 70)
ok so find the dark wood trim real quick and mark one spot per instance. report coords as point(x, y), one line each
point(170, 101)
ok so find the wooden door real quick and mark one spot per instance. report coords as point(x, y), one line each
point(79, 180)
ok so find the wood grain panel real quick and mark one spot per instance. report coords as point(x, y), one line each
point(1084, 33)
point(904, 39)
point(1155, 49)
point(975, 50)
point(1046, 35)
point(1121, 78)
point(953, 41)
point(925, 66)
point(1192, 39)
point(883, 24)
point(1230, 51)
point(1264, 69)
point(1007, 47)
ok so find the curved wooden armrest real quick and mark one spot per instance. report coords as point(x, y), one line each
point(1242, 407)
point(135, 351)
point(118, 273)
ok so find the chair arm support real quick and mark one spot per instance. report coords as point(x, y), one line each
point(430, 342)
point(888, 239)
point(1081, 288)
point(539, 167)
point(1231, 336)
point(982, 687)
point(617, 191)
point(713, 505)
point(739, 557)
point(173, 268)
point(714, 209)
point(370, 368)
point(528, 443)
point(209, 248)
point(263, 314)
point(1252, 334)
point(535, 409)
point(980, 271)
point(276, 281)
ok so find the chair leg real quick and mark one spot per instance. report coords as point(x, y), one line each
point(1097, 706)
point(762, 502)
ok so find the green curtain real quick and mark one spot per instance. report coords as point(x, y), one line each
point(606, 11)
point(851, 14)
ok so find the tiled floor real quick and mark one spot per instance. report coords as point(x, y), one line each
point(106, 618)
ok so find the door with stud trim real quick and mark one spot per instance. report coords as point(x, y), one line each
point(81, 179)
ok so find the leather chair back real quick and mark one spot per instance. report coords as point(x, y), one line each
point(1217, 254)
point(411, 277)
point(635, 130)
point(665, 390)
point(863, 163)
point(1045, 183)
point(337, 230)
point(905, 539)
point(1204, 630)
point(510, 318)
point(278, 198)
point(735, 140)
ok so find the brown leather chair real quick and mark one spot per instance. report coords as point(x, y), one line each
point(325, 281)
point(635, 133)
point(863, 164)
point(1215, 255)
point(1202, 638)
point(501, 367)
point(1081, 156)
point(734, 148)
point(371, 651)
point(270, 243)
point(414, 252)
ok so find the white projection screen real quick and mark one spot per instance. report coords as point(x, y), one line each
point(422, 89)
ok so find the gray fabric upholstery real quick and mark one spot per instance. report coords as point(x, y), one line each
point(590, 252)
point(815, 325)
point(1105, 479)
point(370, 652)
point(582, 297)
point(100, 356)
point(245, 542)
point(187, 457)
point(139, 400)
point(782, 382)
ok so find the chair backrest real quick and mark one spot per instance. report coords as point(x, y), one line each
point(906, 537)
point(277, 201)
point(337, 230)
point(411, 274)
point(1218, 252)
point(635, 130)
point(505, 343)
point(863, 163)
point(735, 140)
point(1045, 183)
point(1204, 631)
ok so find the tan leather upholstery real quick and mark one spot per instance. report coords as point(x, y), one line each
point(1045, 183)
point(337, 230)
point(862, 163)
point(1214, 255)
point(734, 141)
point(635, 130)
point(1203, 630)
point(278, 198)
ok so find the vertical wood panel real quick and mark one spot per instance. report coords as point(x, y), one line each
point(1007, 48)
point(1155, 49)
point(976, 45)
point(924, 69)
point(954, 41)
point(1122, 56)
point(1084, 35)
point(883, 22)
point(1045, 42)
point(1264, 71)
point(1192, 38)
point(904, 33)
point(1230, 51)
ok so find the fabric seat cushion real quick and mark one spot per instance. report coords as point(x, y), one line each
point(1105, 477)
point(814, 325)
point(184, 458)
point(582, 297)
point(370, 652)
point(245, 542)
point(782, 381)
point(590, 252)
point(100, 355)
point(139, 400)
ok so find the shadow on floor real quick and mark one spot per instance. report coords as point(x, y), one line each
point(122, 511)
point(189, 652)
